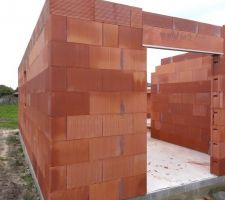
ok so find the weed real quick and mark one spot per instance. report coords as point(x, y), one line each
point(28, 196)
point(28, 180)
point(12, 139)
point(3, 158)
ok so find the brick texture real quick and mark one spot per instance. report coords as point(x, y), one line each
point(180, 103)
point(82, 96)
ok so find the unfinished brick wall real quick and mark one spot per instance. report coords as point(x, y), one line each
point(181, 101)
point(82, 85)
point(218, 115)
point(82, 105)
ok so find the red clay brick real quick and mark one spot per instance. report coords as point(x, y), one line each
point(84, 174)
point(82, 9)
point(218, 83)
point(156, 20)
point(57, 79)
point(81, 193)
point(103, 103)
point(134, 186)
point(139, 122)
point(38, 46)
point(185, 25)
point(130, 37)
point(218, 150)
point(39, 64)
point(140, 166)
point(69, 152)
point(155, 116)
point(115, 81)
point(124, 166)
point(57, 26)
point(73, 103)
point(218, 117)
point(69, 54)
point(58, 128)
point(134, 144)
point(217, 100)
point(202, 98)
point(140, 81)
point(218, 134)
point(86, 32)
point(201, 74)
point(117, 167)
point(110, 35)
point(199, 110)
point(136, 17)
point(105, 58)
point(58, 178)
point(186, 76)
point(208, 29)
point(135, 60)
point(117, 124)
point(84, 126)
point(112, 13)
point(79, 79)
point(105, 12)
point(105, 147)
point(123, 14)
point(134, 102)
point(102, 191)
point(217, 166)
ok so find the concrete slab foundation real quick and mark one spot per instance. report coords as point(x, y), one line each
point(171, 165)
point(191, 191)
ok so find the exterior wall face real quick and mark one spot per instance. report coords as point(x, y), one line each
point(181, 101)
point(83, 103)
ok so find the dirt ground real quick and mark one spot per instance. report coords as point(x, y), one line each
point(16, 182)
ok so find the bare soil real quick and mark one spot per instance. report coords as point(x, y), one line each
point(16, 182)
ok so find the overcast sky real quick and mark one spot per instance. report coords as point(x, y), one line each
point(18, 19)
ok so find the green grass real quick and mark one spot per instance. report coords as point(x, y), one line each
point(9, 116)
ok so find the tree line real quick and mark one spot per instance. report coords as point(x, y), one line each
point(5, 90)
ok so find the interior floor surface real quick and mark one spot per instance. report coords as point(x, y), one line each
point(170, 165)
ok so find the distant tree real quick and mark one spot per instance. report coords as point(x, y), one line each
point(4, 90)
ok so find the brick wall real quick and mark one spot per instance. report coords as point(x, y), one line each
point(217, 115)
point(181, 101)
point(149, 104)
point(82, 106)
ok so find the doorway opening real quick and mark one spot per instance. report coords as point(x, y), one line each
point(178, 119)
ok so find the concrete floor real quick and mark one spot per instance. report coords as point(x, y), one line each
point(171, 166)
